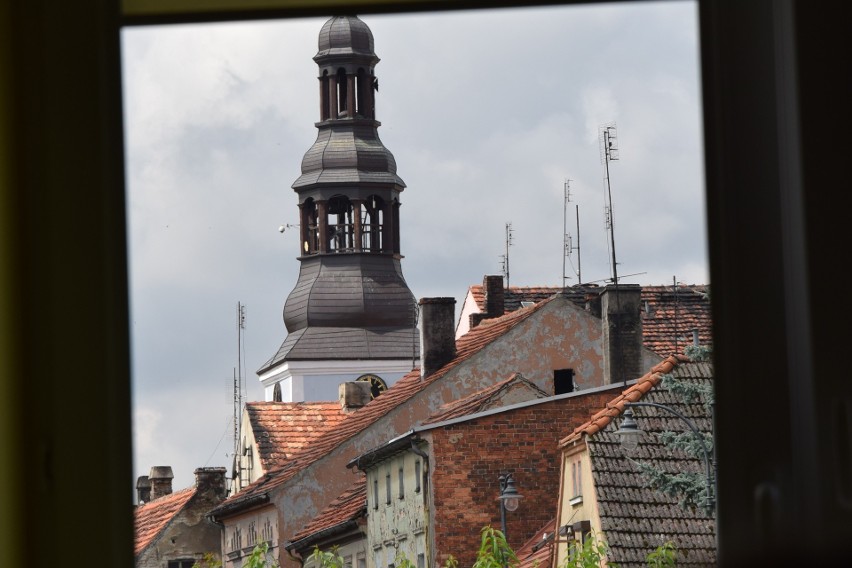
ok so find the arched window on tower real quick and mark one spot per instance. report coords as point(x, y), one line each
point(310, 228)
point(276, 393)
point(371, 224)
point(342, 88)
point(340, 226)
point(361, 92)
point(325, 110)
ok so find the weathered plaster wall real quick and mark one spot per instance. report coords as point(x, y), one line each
point(189, 536)
point(396, 525)
point(242, 533)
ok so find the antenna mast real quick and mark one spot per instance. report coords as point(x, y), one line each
point(238, 376)
point(566, 243)
point(505, 257)
point(609, 152)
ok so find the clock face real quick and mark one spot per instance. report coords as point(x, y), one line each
point(377, 384)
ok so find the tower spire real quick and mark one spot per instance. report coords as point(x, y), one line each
point(351, 302)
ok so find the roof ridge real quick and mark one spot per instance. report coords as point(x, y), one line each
point(634, 393)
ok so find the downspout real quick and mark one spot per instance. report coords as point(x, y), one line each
point(298, 559)
point(426, 469)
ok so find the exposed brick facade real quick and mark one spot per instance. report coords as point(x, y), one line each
point(468, 458)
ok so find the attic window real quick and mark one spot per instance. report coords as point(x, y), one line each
point(527, 304)
point(563, 381)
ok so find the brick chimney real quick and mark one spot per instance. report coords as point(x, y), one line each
point(437, 334)
point(211, 480)
point(353, 395)
point(495, 299)
point(621, 307)
point(143, 489)
point(160, 478)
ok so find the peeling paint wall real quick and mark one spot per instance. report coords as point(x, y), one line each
point(242, 533)
point(396, 511)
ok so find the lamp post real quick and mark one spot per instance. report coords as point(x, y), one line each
point(630, 434)
point(509, 498)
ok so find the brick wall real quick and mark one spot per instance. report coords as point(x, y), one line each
point(468, 458)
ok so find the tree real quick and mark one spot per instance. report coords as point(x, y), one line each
point(690, 487)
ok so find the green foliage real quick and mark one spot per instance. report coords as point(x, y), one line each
point(260, 558)
point(209, 560)
point(587, 554)
point(698, 353)
point(664, 556)
point(451, 562)
point(328, 559)
point(494, 551)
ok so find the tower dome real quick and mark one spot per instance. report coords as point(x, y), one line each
point(345, 36)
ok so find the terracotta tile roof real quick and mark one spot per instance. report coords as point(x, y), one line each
point(635, 518)
point(401, 391)
point(349, 506)
point(283, 429)
point(482, 400)
point(537, 552)
point(153, 517)
point(669, 316)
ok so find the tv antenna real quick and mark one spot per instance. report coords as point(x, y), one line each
point(505, 257)
point(609, 152)
point(567, 244)
point(238, 376)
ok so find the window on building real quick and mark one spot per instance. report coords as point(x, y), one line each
point(563, 381)
point(417, 476)
point(183, 563)
point(576, 482)
point(387, 489)
point(347, 561)
point(375, 494)
point(361, 560)
point(421, 560)
point(401, 492)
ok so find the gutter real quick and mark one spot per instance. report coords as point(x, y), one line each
point(227, 509)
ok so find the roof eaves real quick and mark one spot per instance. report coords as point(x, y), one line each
point(615, 407)
point(307, 541)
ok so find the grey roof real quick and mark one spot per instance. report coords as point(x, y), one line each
point(348, 151)
point(350, 290)
point(347, 343)
point(636, 519)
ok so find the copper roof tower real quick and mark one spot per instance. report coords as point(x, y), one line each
point(351, 301)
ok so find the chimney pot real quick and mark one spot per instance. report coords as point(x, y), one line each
point(160, 478)
point(143, 489)
point(437, 334)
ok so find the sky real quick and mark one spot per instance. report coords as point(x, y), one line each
point(487, 113)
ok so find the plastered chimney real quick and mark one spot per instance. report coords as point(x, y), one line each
point(353, 395)
point(621, 307)
point(143, 489)
point(160, 477)
point(437, 333)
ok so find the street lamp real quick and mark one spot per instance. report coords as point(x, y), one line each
point(509, 498)
point(630, 434)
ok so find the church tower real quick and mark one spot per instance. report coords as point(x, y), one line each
point(351, 315)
